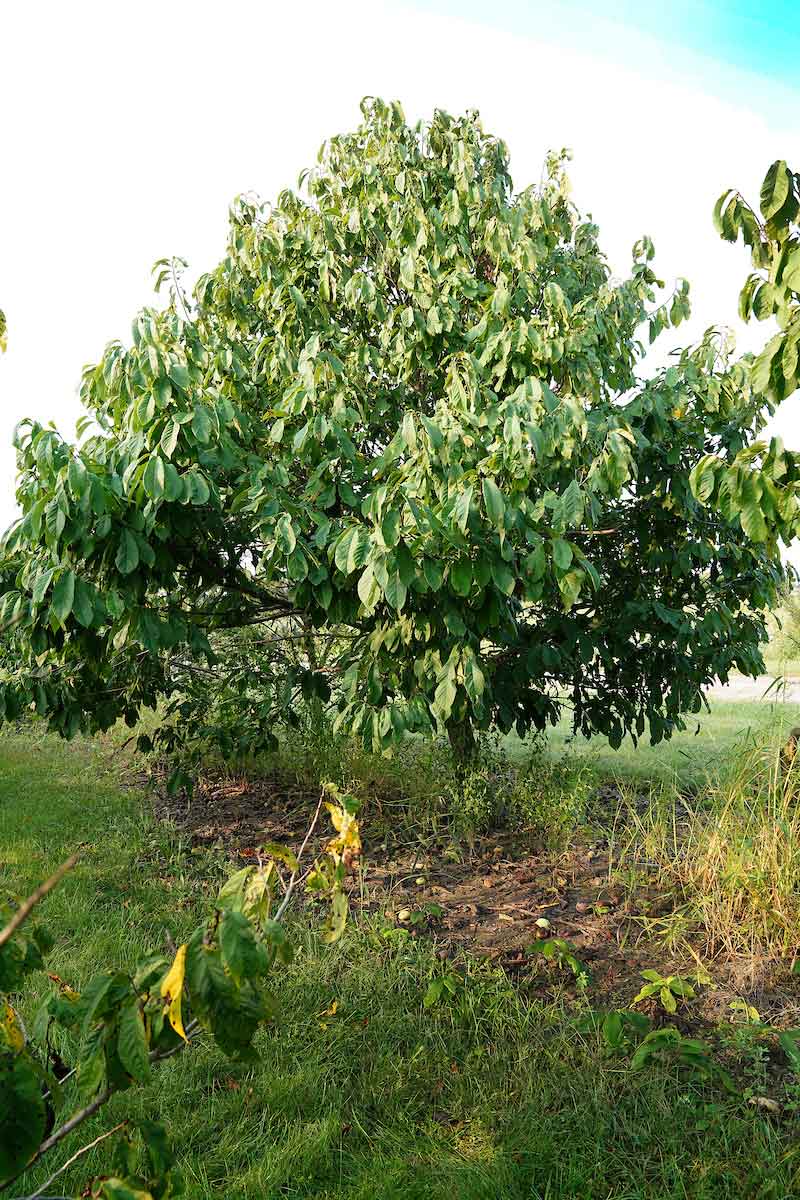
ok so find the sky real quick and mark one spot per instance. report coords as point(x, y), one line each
point(128, 129)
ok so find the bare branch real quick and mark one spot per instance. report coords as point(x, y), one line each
point(293, 879)
point(76, 1155)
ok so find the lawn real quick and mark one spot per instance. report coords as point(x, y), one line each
point(690, 756)
point(500, 1094)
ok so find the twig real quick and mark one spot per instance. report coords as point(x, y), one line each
point(25, 909)
point(192, 1030)
point(61, 1082)
point(293, 878)
point(78, 1153)
point(60, 1134)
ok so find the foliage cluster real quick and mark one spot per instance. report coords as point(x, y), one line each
point(123, 1023)
point(399, 438)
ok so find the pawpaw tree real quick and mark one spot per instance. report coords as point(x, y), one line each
point(396, 455)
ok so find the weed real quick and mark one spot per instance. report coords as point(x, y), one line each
point(669, 1045)
point(731, 858)
point(669, 990)
point(619, 1029)
point(444, 987)
point(560, 953)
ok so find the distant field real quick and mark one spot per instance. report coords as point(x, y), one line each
point(782, 666)
point(709, 739)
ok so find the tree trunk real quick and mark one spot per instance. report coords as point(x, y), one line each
point(462, 741)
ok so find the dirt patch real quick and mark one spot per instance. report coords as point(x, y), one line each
point(495, 900)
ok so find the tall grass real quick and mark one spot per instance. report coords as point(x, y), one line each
point(730, 855)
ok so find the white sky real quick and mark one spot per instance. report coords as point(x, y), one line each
point(128, 128)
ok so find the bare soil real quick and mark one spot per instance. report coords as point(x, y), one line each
point(495, 900)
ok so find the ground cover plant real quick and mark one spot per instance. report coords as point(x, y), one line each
point(124, 1023)
point(393, 454)
point(362, 1090)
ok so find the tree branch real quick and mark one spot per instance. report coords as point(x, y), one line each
point(26, 908)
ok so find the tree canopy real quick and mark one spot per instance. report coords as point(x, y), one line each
point(395, 453)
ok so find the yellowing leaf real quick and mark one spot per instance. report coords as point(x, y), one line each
point(348, 843)
point(172, 991)
point(11, 1032)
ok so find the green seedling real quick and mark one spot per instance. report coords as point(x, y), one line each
point(669, 1045)
point(562, 954)
point(668, 989)
point(444, 987)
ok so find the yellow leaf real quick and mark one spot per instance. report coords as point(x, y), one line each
point(337, 814)
point(12, 1032)
point(347, 846)
point(172, 991)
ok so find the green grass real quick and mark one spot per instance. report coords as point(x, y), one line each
point(496, 1097)
point(691, 756)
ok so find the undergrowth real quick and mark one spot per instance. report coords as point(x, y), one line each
point(363, 1092)
point(422, 791)
point(731, 854)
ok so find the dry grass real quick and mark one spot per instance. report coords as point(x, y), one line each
point(731, 855)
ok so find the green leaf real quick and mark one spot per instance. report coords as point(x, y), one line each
point(284, 534)
point(702, 478)
point(353, 549)
point(569, 585)
point(63, 596)
point(774, 189)
point(132, 1044)
point(369, 592)
point(153, 478)
point(242, 955)
point(503, 577)
point(390, 528)
point(82, 605)
point(407, 271)
point(562, 554)
point(169, 438)
point(22, 1112)
point(199, 488)
point(434, 573)
point(762, 366)
point(461, 508)
point(495, 504)
point(337, 919)
point(179, 374)
point(433, 993)
point(613, 1030)
point(202, 425)
point(752, 519)
point(461, 577)
point(572, 504)
point(248, 891)
point(395, 591)
point(127, 559)
point(474, 681)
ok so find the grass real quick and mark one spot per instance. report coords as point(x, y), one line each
point(496, 1095)
point(733, 857)
point(692, 756)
